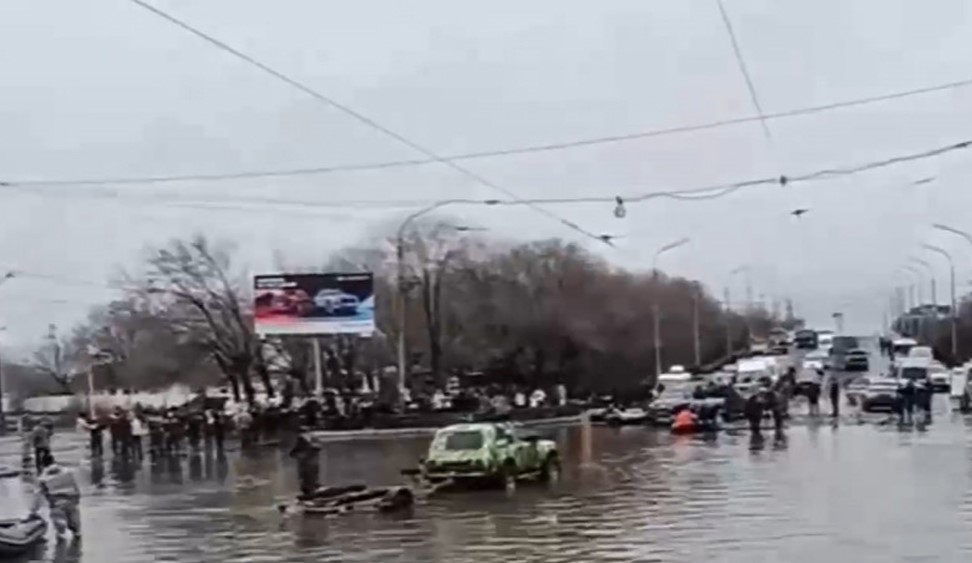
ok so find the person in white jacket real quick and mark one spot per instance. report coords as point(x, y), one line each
point(63, 495)
point(139, 431)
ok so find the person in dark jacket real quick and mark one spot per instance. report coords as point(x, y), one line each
point(777, 403)
point(813, 398)
point(923, 400)
point(307, 455)
point(833, 388)
point(754, 412)
point(41, 440)
point(906, 397)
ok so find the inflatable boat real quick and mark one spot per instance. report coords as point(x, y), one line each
point(20, 525)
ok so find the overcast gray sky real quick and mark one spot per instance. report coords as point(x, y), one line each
point(103, 88)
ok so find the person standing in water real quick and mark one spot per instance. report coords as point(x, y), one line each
point(61, 490)
point(833, 388)
point(308, 466)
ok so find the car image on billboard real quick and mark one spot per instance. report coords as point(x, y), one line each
point(314, 304)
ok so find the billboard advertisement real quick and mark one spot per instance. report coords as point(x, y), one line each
point(314, 304)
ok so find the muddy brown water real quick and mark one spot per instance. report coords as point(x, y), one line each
point(854, 492)
point(851, 493)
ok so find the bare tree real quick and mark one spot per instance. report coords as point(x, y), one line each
point(193, 287)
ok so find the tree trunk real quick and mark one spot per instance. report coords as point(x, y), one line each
point(264, 373)
point(431, 297)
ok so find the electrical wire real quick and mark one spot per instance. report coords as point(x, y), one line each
point(703, 193)
point(549, 147)
point(741, 62)
point(347, 110)
point(689, 194)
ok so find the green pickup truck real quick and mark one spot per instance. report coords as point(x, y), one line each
point(490, 452)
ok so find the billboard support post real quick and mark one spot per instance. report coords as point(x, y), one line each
point(318, 367)
point(400, 280)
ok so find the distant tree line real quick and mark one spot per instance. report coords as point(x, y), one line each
point(530, 313)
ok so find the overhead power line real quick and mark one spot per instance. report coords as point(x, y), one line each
point(703, 193)
point(741, 61)
point(688, 194)
point(540, 148)
point(347, 110)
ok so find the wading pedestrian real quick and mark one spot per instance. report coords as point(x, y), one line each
point(60, 488)
point(833, 387)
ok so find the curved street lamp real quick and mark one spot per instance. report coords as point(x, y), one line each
point(931, 275)
point(655, 309)
point(954, 231)
point(951, 282)
point(914, 288)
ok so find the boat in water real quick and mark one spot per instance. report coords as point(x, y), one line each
point(21, 527)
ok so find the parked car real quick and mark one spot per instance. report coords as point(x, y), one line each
point(901, 347)
point(490, 452)
point(805, 339)
point(814, 360)
point(856, 360)
point(940, 378)
point(881, 395)
point(673, 398)
point(336, 302)
point(914, 369)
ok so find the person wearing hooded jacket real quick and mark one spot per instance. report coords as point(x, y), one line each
point(61, 490)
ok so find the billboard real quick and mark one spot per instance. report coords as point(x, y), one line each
point(314, 304)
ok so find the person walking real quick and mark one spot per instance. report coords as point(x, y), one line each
point(139, 431)
point(40, 438)
point(923, 400)
point(219, 430)
point(833, 388)
point(754, 412)
point(906, 397)
point(813, 395)
point(307, 455)
point(63, 495)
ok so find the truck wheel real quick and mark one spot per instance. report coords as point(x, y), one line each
point(550, 471)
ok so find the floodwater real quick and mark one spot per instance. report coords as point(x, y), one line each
point(853, 492)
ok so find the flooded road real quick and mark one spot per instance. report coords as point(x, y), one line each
point(851, 493)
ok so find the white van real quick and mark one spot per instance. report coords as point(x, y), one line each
point(901, 347)
point(915, 369)
point(757, 368)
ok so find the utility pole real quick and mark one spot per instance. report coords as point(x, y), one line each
point(656, 317)
point(3, 417)
point(728, 312)
point(696, 337)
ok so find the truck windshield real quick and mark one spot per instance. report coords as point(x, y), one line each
point(465, 440)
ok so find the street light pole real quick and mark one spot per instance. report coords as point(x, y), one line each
point(931, 275)
point(696, 332)
point(3, 417)
point(655, 309)
point(954, 231)
point(400, 282)
point(749, 290)
point(951, 282)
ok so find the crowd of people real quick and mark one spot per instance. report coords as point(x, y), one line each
point(133, 432)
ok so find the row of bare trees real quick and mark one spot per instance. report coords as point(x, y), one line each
point(538, 311)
